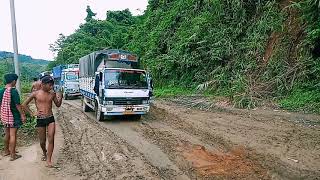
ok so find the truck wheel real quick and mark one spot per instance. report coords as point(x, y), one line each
point(65, 96)
point(85, 107)
point(99, 114)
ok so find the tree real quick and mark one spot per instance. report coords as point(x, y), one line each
point(58, 44)
point(90, 14)
point(123, 17)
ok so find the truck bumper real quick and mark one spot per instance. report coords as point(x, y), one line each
point(74, 94)
point(125, 110)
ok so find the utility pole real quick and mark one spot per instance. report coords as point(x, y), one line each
point(15, 44)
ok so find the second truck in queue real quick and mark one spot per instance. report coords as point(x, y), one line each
point(112, 84)
point(66, 79)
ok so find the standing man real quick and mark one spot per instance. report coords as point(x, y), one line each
point(45, 120)
point(35, 85)
point(12, 115)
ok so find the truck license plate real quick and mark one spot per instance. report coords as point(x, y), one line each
point(128, 110)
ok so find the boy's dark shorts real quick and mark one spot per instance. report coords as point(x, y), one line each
point(44, 122)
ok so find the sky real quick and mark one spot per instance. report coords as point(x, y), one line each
point(39, 22)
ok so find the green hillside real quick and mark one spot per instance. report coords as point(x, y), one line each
point(248, 51)
point(23, 58)
point(29, 67)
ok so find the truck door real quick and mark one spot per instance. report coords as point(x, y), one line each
point(150, 84)
point(96, 84)
point(101, 84)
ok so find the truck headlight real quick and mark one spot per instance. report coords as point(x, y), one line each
point(145, 101)
point(108, 102)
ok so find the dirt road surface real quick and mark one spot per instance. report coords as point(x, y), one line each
point(29, 166)
point(176, 141)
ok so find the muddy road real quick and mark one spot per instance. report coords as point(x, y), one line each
point(178, 142)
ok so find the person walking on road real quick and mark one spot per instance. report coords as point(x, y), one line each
point(12, 115)
point(44, 98)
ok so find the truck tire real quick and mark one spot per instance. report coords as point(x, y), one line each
point(65, 96)
point(98, 113)
point(85, 107)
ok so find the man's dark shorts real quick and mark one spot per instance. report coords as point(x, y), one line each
point(44, 121)
point(14, 125)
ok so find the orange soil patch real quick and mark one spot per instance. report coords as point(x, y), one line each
point(294, 29)
point(225, 164)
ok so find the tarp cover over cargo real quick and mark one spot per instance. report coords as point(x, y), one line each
point(56, 71)
point(109, 58)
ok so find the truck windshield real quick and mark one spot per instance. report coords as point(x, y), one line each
point(72, 76)
point(125, 79)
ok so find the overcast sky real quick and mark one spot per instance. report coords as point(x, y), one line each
point(39, 22)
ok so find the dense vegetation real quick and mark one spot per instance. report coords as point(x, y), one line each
point(93, 35)
point(29, 68)
point(248, 50)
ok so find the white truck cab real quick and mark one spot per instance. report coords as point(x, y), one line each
point(112, 84)
point(67, 80)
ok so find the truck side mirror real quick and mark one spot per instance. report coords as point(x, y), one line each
point(151, 83)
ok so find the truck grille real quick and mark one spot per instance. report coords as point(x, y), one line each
point(126, 101)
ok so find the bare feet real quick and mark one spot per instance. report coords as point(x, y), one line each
point(7, 153)
point(44, 157)
point(49, 165)
point(15, 157)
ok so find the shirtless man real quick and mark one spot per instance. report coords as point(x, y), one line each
point(45, 120)
point(36, 85)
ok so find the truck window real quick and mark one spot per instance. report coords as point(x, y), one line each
point(125, 79)
point(72, 76)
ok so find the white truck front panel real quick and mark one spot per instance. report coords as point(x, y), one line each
point(126, 96)
point(116, 101)
point(70, 80)
point(71, 88)
point(126, 93)
point(125, 110)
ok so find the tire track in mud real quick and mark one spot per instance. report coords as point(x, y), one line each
point(276, 168)
point(159, 114)
point(172, 143)
point(98, 153)
point(176, 141)
point(152, 153)
point(174, 134)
